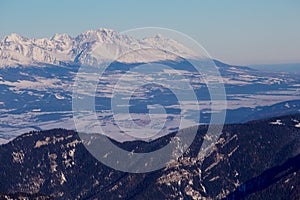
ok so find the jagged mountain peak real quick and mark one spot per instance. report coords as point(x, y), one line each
point(86, 48)
point(101, 35)
point(14, 38)
point(61, 37)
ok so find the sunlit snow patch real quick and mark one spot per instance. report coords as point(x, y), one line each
point(277, 122)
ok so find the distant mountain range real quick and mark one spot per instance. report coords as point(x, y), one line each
point(37, 78)
point(256, 160)
point(256, 156)
point(89, 48)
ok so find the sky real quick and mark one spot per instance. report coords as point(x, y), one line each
point(233, 31)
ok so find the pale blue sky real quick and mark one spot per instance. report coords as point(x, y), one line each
point(236, 32)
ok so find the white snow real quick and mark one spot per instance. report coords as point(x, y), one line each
point(3, 141)
point(277, 122)
point(287, 105)
point(57, 96)
point(18, 157)
point(63, 179)
point(93, 46)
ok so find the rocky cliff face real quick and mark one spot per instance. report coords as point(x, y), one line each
point(255, 160)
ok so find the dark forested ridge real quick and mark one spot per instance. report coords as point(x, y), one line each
point(255, 160)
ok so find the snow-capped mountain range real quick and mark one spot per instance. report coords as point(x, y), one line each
point(36, 87)
point(91, 47)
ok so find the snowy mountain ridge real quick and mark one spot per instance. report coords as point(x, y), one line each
point(91, 47)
